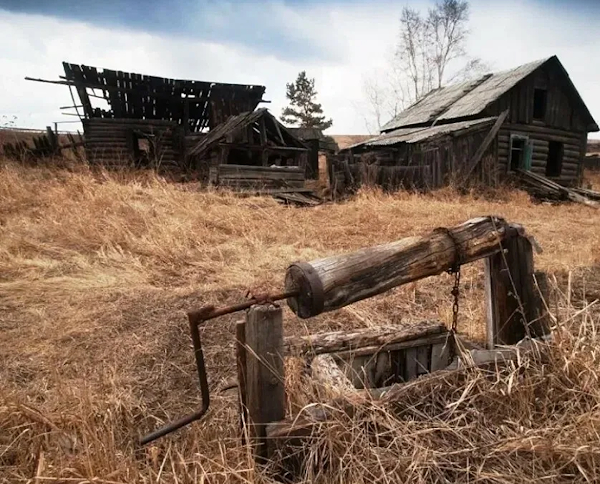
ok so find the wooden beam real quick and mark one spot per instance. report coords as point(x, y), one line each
point(265, 384)
point(352, 341)
point(329, 377)
point(485, 144)
point(334, 282)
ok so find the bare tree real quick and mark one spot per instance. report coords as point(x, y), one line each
point(430, 51)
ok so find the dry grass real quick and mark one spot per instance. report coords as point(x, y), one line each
point(96, 273)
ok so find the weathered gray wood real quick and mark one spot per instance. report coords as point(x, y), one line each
point(329, 377)
point(334, 282)
point(412, 365)
point(425, 339)
point(513, 305)
point(265, 373)
point(485, 144)
point(440, 355)
point(352, 341)
point(242, 371)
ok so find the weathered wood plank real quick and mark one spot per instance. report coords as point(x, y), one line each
point(265, 373)
point(485, 144)
point(352, 341)
point(242, 372)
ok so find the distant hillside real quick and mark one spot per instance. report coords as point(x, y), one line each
point(593, 146)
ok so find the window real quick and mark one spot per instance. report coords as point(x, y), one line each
point(517, 152)
point(539, 103)
point(555, 156)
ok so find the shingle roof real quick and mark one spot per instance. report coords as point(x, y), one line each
point(418, 134)
point(462, 100)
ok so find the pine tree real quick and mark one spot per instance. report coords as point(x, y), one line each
point(303, 111)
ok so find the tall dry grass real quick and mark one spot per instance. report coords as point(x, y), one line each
point(97, 271)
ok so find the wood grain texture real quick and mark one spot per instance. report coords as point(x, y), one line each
point(348, 278)
point(352, 341)
point(265, 373)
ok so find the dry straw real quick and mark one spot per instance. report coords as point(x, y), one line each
point(97, 270)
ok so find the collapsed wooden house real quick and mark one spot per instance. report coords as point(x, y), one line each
point(144, 120)
point(527, 118)
point(250, 150)
point(212, 130)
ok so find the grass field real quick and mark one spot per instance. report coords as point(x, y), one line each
point(97, 272)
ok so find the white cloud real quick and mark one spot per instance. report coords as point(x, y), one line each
point(355, 40)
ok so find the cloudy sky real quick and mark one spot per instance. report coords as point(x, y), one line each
point(268, 42)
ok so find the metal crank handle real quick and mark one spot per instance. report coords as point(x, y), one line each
point(182, 422)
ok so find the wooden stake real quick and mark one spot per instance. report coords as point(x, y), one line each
point(265, 386)
point(513, 305)
point(241, 357)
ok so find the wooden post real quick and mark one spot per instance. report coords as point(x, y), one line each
point(513, 305)
point(242, 371)
point(265, 384)
point(335, 282)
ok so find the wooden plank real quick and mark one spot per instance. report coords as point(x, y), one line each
point(440, 355)
point(242, 372)
point(351, 341)
point(411, 366)
point(395, 346)
point(423, 359)
point(265, 385)
point(334, 282)
point(484, 145)
point(512, 304)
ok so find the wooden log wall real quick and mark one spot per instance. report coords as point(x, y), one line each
point(541, 137)
point(257, 177)
point(110, 142)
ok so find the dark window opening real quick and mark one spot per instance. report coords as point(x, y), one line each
point(555, 158)
point(517, 153)
point(539, 103)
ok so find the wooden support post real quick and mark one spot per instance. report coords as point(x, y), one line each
point(242, 371)
point(513, 305)
point(265, 384)
point(334, 282)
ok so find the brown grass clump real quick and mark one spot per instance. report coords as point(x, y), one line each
point(97, 271)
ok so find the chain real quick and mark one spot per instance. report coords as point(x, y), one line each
point(455, 293)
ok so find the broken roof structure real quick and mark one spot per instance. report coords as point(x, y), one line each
point(196, 104)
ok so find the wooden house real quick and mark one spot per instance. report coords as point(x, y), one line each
point(141, 120)
point(527, 118)
point(252, 150)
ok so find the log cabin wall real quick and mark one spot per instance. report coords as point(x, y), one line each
point(130, 142)
point(544, 111)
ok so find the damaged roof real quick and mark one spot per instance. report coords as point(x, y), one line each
point(470, 98)
point(276, 132)
point(419, 134)
point(202, 104)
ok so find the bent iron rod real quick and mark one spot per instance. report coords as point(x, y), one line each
point(196, 318)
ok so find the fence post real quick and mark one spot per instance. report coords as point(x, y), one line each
point(265, 387)
point(513, 304)
point(242, 374)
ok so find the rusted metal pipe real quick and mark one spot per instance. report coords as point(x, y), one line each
point(196, 318)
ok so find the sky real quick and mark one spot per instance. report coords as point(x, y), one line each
point(268, 42)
